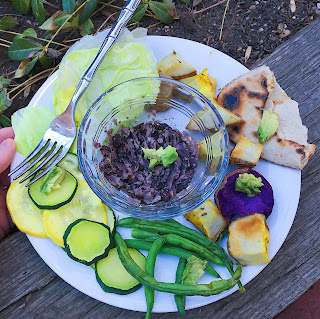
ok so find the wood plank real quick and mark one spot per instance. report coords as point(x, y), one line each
point(296, 65)
point(22, 271)
point(31, 290)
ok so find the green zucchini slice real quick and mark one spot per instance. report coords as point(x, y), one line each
point(111, 219)
point(54, 198)
point(113, 277)
point(87, 241)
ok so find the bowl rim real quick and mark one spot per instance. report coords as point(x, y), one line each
point(180, 211)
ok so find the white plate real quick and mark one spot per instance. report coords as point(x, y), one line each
point(284, 181)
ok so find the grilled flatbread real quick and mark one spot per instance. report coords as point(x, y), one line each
point(252, 93)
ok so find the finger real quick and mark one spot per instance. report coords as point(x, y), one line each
point(2, 234)
point(7, 151)
point(5, 133)
point(4, 178)
point(3, 205)
point(5, 224)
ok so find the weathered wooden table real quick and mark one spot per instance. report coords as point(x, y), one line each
point(29, 289)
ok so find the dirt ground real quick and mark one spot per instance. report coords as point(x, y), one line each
point(261, 25)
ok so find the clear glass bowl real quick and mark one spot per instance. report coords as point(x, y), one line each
point(143, 100)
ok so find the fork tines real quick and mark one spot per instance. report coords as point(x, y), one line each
point(46, 150)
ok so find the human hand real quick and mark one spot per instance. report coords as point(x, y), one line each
point(7, 151)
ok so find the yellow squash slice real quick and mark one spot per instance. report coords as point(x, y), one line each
point(24, 213)
point(85, 204)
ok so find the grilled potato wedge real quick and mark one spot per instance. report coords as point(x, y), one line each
point(245, 153)
point(173, 65)
point(248, 240)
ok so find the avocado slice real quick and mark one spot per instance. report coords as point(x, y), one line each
point(248, 183)
point(52, 180)
point(165, 156)
point(268, 125)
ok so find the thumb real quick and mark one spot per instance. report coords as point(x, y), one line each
point(7, 150)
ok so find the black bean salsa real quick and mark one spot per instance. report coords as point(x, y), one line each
point(125, 167)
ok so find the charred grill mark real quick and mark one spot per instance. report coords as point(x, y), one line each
point(260, 110)
point(236, 128)
point(233, 100)
point(259, 96)
point(301, 151)
point(264, 83)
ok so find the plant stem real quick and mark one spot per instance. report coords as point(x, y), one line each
point(6, 41)
point(150, 14)
point(105, 22)
point(71, 40)
point(224, 16)
point(102, 7)
point(54, 69)
point(25, 82)
point(41, 39)
point(210, 7)
point(154, 25)
point(119, 8)
point(40, 78)
point(4, 45)
point(63, 24)
point(110, 5)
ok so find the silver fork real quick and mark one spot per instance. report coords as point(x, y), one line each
point(62, 131)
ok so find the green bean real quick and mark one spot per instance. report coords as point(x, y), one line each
point(151, 261)
point(223, 234)
point(181, 242)
point(213, 288)
point(144, 234)
point(171, 226)
point(180, 300)
point(169, 250)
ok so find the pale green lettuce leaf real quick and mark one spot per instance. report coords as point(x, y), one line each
point(129, 58)
point(29, 125)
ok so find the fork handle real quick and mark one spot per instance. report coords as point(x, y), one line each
point(124, 17)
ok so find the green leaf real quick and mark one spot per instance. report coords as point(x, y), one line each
point(21, 5)
point(161, 11)
point(4, 121)
point(89, 9)
point(186, 1)
point(49, 25)
point(139, 13)
point(86, 28)
point(38, 10)
point(61, 19)
point(20, 49)
point(30, 66)
point(4, 82)
point(68, 5)
point(30, 33)
point(7, 22)
point(55, 21)
point(26, 33)
point(46, 61)
point(75, 22)
point(4, 100)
